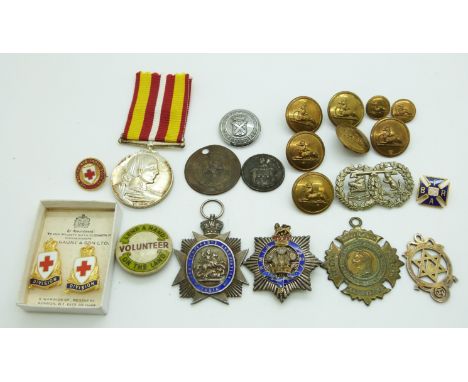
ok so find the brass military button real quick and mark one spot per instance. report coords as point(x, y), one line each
point(390, 137)
point(305, 151)
point(353, 139)
point(345, 108)
point(404, 110)
point(312, 193)
point(303, 114)
point(378, 107)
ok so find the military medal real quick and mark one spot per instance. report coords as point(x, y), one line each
point(157, 117)
point(210, 262)
point(429, 267)
point(433, 191)
point(282, 263)
point(47, 271)
point(84, 276)
point(90, 173)
point(212, 170)
point(143, 249)
point(239, 127)
point(388, 184)
point(362, 264)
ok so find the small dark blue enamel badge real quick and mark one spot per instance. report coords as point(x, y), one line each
point(433, 191)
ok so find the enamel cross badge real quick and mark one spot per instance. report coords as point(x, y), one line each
point(84, 276)
point(210, 262)
point(282, 263)
point(47, 271)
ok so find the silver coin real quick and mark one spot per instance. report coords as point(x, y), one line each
point(142, 179)
point(239, 127)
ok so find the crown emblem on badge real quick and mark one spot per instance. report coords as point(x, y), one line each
point(282, 234)
point(82, 221)
point(50, 245)
point(211, 226)
point(87, 251)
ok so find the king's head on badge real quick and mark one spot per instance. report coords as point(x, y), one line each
point(433, 191)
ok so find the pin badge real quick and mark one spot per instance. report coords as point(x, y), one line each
point(84, 276)
point(47, 271)
point(429, 267)
point(282, 263)
point(144, 249)
point(362, 263)
point(433, 191)
point(90, 173)
point(210, 262)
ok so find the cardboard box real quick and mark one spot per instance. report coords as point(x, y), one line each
point(73, 224)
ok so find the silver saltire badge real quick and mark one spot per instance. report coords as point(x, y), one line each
point(210, 262)
point(282, 263)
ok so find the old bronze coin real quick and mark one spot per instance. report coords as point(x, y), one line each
point(312, 193)
point(305, 151)
point(353, 139)
point(263, 172)
point(303, 114)
point(210, 262)
point(345, 108)
point(429, 267)
point(404, 110)
point(390, 137)
point(282, 263)
point(362, 263)
point(239, 127)
point(378, 107)
point(212, 170)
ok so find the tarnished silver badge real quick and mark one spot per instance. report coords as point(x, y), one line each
point(210, 262)
point(239, 127)
point(282, 263)
point(388, 184)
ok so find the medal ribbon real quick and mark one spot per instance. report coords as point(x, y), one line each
point(159, 108)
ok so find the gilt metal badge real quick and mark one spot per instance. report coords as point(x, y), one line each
point(282, 263)
point(210, 262)
point(362, 263)
point(429, 267)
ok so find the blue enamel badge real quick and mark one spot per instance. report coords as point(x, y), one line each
point(433, 191)
point(282, 263)
point(210, 262)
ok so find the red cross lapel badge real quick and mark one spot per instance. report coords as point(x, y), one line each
point(90, 173)
point(47, 271)
point(84, 276)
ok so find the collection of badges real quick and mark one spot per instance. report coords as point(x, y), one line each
point(210, 262)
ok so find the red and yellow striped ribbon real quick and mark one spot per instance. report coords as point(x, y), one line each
point(159, 108)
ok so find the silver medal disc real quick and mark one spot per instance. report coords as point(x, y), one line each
point(142, 179)
point(239, 127)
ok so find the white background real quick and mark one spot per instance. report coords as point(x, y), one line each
point(57, 110)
